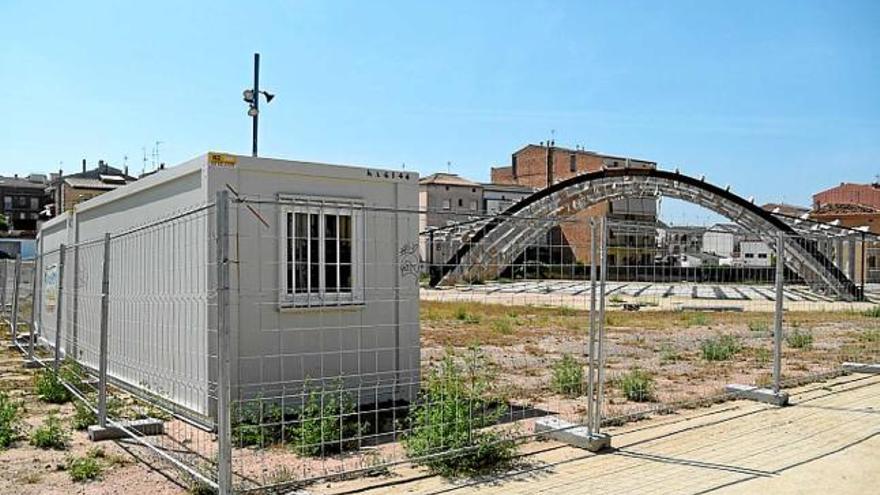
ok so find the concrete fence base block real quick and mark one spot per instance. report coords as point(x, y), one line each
point(148, 426)
point(862, 368)
point(30, 364)
point(758, 394)
point(578, 436)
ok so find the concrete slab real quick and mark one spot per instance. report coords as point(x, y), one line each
point(873, 369)
point(562, 431)
point(147, 426)
point(29, 364)
point(758, 394)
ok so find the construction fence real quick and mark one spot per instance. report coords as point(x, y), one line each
point(278, 342)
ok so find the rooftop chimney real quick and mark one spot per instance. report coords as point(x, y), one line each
point(84, 165)
point(162, 166)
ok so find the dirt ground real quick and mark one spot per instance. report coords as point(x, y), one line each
point(521, 345)
point(26, 470)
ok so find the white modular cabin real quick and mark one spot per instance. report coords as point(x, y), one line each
point(323, 280)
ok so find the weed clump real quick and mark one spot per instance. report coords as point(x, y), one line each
point(798, 339)
point(637, 385)
point(51, 435)
point(49, 387)
point(720, 348)
point(463, 315)
point(84, 468)
point(448, 425)
point(10, 421)
point(568, 376)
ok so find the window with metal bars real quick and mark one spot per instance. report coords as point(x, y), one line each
point(321, 256)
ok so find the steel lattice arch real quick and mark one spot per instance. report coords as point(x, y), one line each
point(496, 243)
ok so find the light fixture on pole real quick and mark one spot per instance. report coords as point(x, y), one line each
point(252, 97)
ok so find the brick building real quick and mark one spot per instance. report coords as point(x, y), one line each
point(66, 191)
point(540, 165)
point(856, 206)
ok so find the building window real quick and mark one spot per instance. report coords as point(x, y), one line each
point(572, 163)
point(321, 256)
point(762, 256)
point(460, 202)
point(35, 203)
point(473, 205)
point(513, 165)
point(7, 202)
point(749, 255)
point(447, 204)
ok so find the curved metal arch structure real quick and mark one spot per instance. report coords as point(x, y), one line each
point(498, 242)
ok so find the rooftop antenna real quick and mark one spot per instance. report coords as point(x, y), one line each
point(156, 154)
point(448, 166)
point(144, 167)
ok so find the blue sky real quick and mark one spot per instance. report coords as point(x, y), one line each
point(777, 99)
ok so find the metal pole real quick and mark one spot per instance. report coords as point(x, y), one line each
point(777, 322)
point(58, 298)
point(592, 349)
point(603, 269)
point(3, 274)
point(34, 305)
point(864, 272)
point(224, 426)
point(16, 281)
point(256, 102)
point(102, 358)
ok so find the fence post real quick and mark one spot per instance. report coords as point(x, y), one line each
point(102, 356)
point(777, 321)
point(224, 424)
point(3, 275)
point(592, 346)
point(34, 305)
point(58, 298)
point(603, 270)
point(16, 282)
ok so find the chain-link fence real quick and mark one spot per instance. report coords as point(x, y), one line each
point(262, 343)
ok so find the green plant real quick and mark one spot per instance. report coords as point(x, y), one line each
point(200, 488)
point(668, 354)
point(49, 387)
point(448, 425)
point(568, 376)
point(871, 335)
point(798, 339)
point(503, 325)
point(696, 319)
point(566, 311)
point(637, 385)
point(326, 424)
point(759, 326)
point(873, 312)
point(615, 298)
point(720, 348)
point(256, 423)
point(51, 435)
point(462, 314)
point(83, 468)
point(10, 421)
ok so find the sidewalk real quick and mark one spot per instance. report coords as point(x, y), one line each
point(828, 441)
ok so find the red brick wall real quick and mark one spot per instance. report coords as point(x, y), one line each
point(502, 175)
point(531, 165)
point(863, 194)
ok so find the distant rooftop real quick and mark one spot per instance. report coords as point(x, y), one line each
point(445, 178)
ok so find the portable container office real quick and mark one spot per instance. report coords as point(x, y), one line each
point(323, 280)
